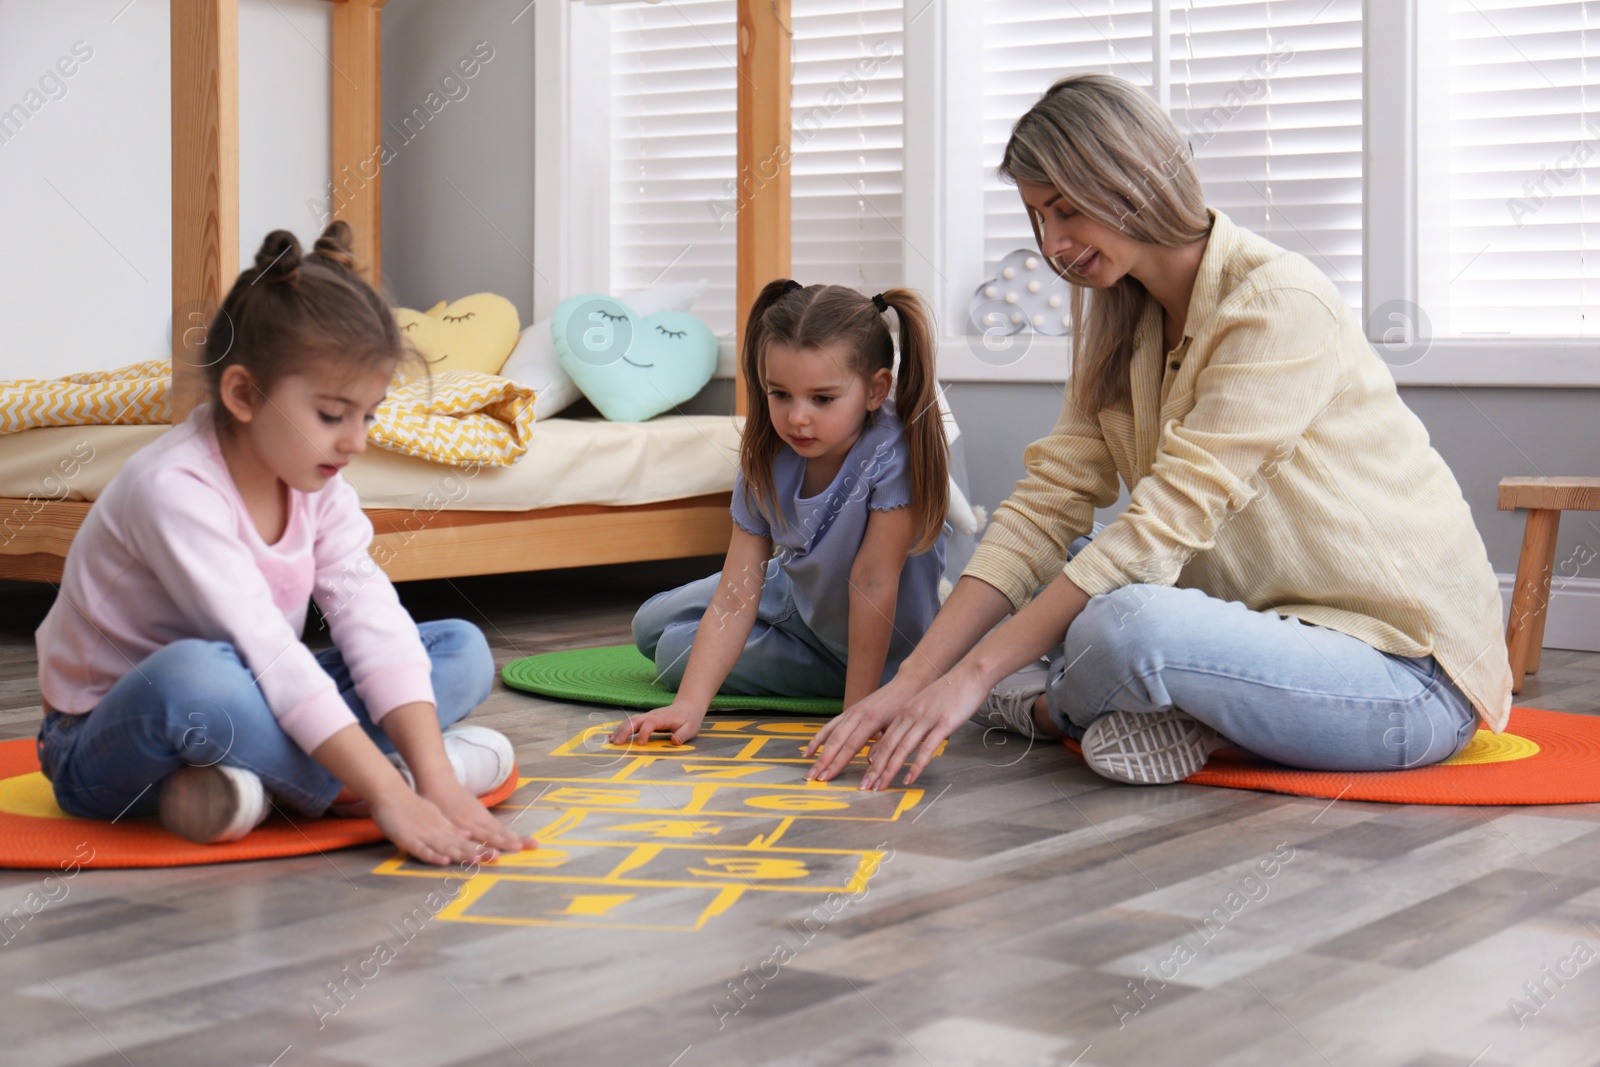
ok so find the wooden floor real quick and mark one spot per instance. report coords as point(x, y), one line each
point(1019, 912)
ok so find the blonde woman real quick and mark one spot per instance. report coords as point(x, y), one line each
point(1297, 573)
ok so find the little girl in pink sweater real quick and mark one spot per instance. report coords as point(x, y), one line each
point(171, 666)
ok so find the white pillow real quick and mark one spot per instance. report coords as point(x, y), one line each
point(534, 363)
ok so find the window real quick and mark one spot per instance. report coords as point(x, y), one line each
point(1027, 45)
point(1269, 94)
point(1523, 133)
point(1431, 157)
point(673, 121)
point(674, 117)
point(848, 131)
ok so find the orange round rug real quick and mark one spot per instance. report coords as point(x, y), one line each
point(1544, 757)
point(35, 833)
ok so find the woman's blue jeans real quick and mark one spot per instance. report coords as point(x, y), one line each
point(194, 703)
point(1296, 693)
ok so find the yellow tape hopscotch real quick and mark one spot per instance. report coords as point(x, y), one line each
point(670, 831)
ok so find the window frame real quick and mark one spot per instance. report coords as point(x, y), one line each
point(943, 199)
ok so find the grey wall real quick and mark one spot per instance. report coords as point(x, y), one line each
point(458, 195)
point(1483, 434)
point(1489, 434)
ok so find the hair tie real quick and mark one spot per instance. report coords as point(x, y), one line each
point(880, 303)
point(790, 286)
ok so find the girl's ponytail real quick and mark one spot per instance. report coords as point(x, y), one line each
point(758, 447)
point(334, 246)
point(916, 403)
point(278, 258)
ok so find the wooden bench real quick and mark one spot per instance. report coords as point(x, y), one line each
point(1544, 499)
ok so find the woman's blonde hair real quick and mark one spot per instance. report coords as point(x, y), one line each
point(1114, 155)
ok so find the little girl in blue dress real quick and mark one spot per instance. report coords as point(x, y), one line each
point(832, 575)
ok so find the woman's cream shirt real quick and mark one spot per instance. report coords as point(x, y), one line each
point(1271, 461)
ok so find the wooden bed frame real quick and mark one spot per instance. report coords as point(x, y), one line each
point(205, 254)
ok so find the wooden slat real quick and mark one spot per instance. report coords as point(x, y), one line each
point(205, 180)
point(38, 526)
point(393, 520)
point(415, 543)
point(1552, 494)
point(763, 156)
point(527, 541)
point(32, 567)
point(357, 120)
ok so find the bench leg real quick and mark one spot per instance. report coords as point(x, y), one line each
point(1530, 599)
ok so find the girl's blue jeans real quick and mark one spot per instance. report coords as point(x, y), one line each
point(1296, 693)
point(782, 657)
point(194, 703)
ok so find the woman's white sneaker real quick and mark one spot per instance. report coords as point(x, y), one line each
point(212, 805)
point(1009, 705)
point(1155, 748)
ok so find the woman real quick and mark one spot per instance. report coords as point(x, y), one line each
point(1297, 572)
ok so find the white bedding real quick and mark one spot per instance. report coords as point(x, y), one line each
point(569, 461)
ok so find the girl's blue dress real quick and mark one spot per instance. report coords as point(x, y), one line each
point(801, 637)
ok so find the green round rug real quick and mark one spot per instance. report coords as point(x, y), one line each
point(620, 676)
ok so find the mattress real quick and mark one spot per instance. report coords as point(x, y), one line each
point(569, 461)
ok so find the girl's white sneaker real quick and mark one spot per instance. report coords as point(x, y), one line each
point(212, 805)
point(482, 758)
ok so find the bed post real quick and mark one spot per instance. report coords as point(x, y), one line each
point(357, 162)
point(205, 180)
point(763, 160)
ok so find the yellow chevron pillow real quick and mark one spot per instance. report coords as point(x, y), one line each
point(458, 417)
point(133, 395)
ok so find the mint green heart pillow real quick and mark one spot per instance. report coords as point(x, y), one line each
point(632, 368)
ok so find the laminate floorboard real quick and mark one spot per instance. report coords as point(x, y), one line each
point(1018, 911)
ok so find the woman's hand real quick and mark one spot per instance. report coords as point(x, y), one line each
point(923, 722)
point(680, 718)
point(845, 735)
point(972, 609)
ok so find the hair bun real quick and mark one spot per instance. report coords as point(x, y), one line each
point(278, 259)
point(334, 245)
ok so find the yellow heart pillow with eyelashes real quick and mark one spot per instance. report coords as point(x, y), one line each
point(475, 333)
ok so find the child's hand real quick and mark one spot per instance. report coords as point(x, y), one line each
point(416, 824)
point(470, 816)
point(683, 722)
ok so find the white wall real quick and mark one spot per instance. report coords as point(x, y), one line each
point(285, 139)
point(85, 171)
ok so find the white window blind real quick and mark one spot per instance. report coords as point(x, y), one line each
point(1524, 118)
point(673, 118)
point(1027, 45)
point(1269, 94)
point(1268, 91)
point(848, 132)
